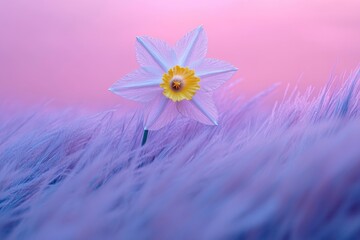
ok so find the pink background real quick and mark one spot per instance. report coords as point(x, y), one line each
point(71, 51)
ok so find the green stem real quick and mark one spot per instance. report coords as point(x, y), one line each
point(144, 137)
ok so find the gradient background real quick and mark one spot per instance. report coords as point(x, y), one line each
point(71, 51)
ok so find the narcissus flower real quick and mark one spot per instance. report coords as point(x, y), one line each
point(173, 81)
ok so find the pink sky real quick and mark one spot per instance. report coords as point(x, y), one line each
point(71, 51)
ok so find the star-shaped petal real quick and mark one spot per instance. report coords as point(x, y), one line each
point(164, 69)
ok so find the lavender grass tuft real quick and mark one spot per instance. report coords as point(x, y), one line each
point(289, 173)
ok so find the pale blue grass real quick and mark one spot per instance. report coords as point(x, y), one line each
point(289, 173)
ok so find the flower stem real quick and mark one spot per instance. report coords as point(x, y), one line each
point(145, 135)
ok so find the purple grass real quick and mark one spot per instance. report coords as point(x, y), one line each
point(289, 173)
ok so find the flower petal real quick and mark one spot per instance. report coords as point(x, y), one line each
point(201, 108)
point(213, 73)
point(192, 47)
point(160, 112)
point(155, 53)
point(140, 85)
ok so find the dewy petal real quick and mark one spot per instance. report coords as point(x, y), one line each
point(160, 112)
point(155, 53)
point(201, 108)
point(140, 85)
point(192, 47)
point(213, 73)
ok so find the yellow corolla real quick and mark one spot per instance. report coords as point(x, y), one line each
point(180, 83)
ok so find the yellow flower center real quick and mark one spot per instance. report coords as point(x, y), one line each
point(180, 83)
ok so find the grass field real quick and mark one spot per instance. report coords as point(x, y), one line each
point(290, 172)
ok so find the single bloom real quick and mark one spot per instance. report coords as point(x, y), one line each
point(173, 81)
